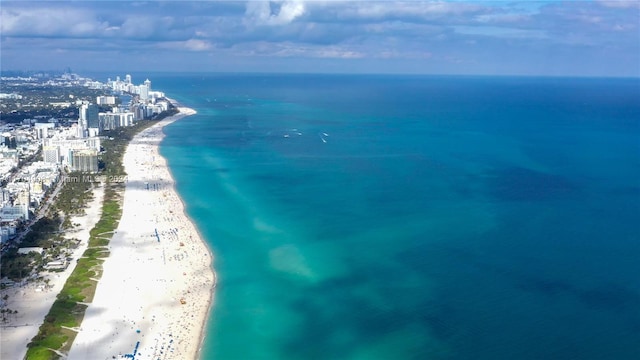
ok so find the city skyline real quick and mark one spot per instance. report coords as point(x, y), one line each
point(583, 38)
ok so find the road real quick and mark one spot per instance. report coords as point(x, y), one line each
point(42, 211)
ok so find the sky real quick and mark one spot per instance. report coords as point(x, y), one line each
point(551, 38)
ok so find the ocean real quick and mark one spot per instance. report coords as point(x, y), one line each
point(414, 217)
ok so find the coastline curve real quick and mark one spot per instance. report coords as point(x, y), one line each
point(158, 284)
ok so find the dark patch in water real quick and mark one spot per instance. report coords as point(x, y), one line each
point(630, 191)
point(545, 286)
point(368, 323)
point(610, 296)
point(515, 183)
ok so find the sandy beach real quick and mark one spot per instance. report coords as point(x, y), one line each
point(34, 299)
point(157, 286)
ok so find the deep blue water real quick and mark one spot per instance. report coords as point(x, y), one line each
point(380, 217)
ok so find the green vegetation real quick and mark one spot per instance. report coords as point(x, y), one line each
point(68, 310)
point(6, 313)
point(47, 231)
point(74, 196)
point(37, 100)
point(44, 234)
point(18, 266)
point(40, 232)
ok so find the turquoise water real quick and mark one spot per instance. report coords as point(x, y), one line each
point(375, 217)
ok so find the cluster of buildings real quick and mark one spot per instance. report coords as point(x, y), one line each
point(24, 186)
point(24, 194)
point(148, 103)
point(73, 148)
point(10, 96)
point(16, 143)
point(78, 146)
point(71, 152)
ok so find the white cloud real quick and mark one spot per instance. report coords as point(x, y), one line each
point(290, 11)
point(501, 32)
point(194, 45)
point(47, 22)
point(623, 4)
point(289, 49)
point(503, 18)
point(197, 45)
point(263, 12)
point(142, 27)
point(404, 9)
point(402, 54)
point(291, 30)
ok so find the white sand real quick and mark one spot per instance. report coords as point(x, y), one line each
point(34, 300)
point(144, 278)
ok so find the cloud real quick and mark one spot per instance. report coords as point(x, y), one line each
point(328, 23)
point(503, 18)
point(273, 14)
point(396, 54)
point(382, 11)
point(588, 24)
point(143, 27)
point(621, 4)
point(197, 45)
point(293, 50)
point(50, 22)
point(483, 33)
point(501, 32)
point(329, 52)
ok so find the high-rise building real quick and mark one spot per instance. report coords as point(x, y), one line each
point(81, 129)
point(5, 196)
point(85, 160)
point(89, 112)
point(42, 129)
point(106, 100)
point(144, 92)
point(127, 79)
point(66, 148)
point(147, 83)
point(22, 201)
point(10, 141)
point(51, 154)
point(89, 118)
point(112, 120)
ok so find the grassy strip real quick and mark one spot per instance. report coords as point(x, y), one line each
point(68, 310)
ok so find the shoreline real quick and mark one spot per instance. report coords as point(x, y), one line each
point(202, 336)
point(157, 288)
